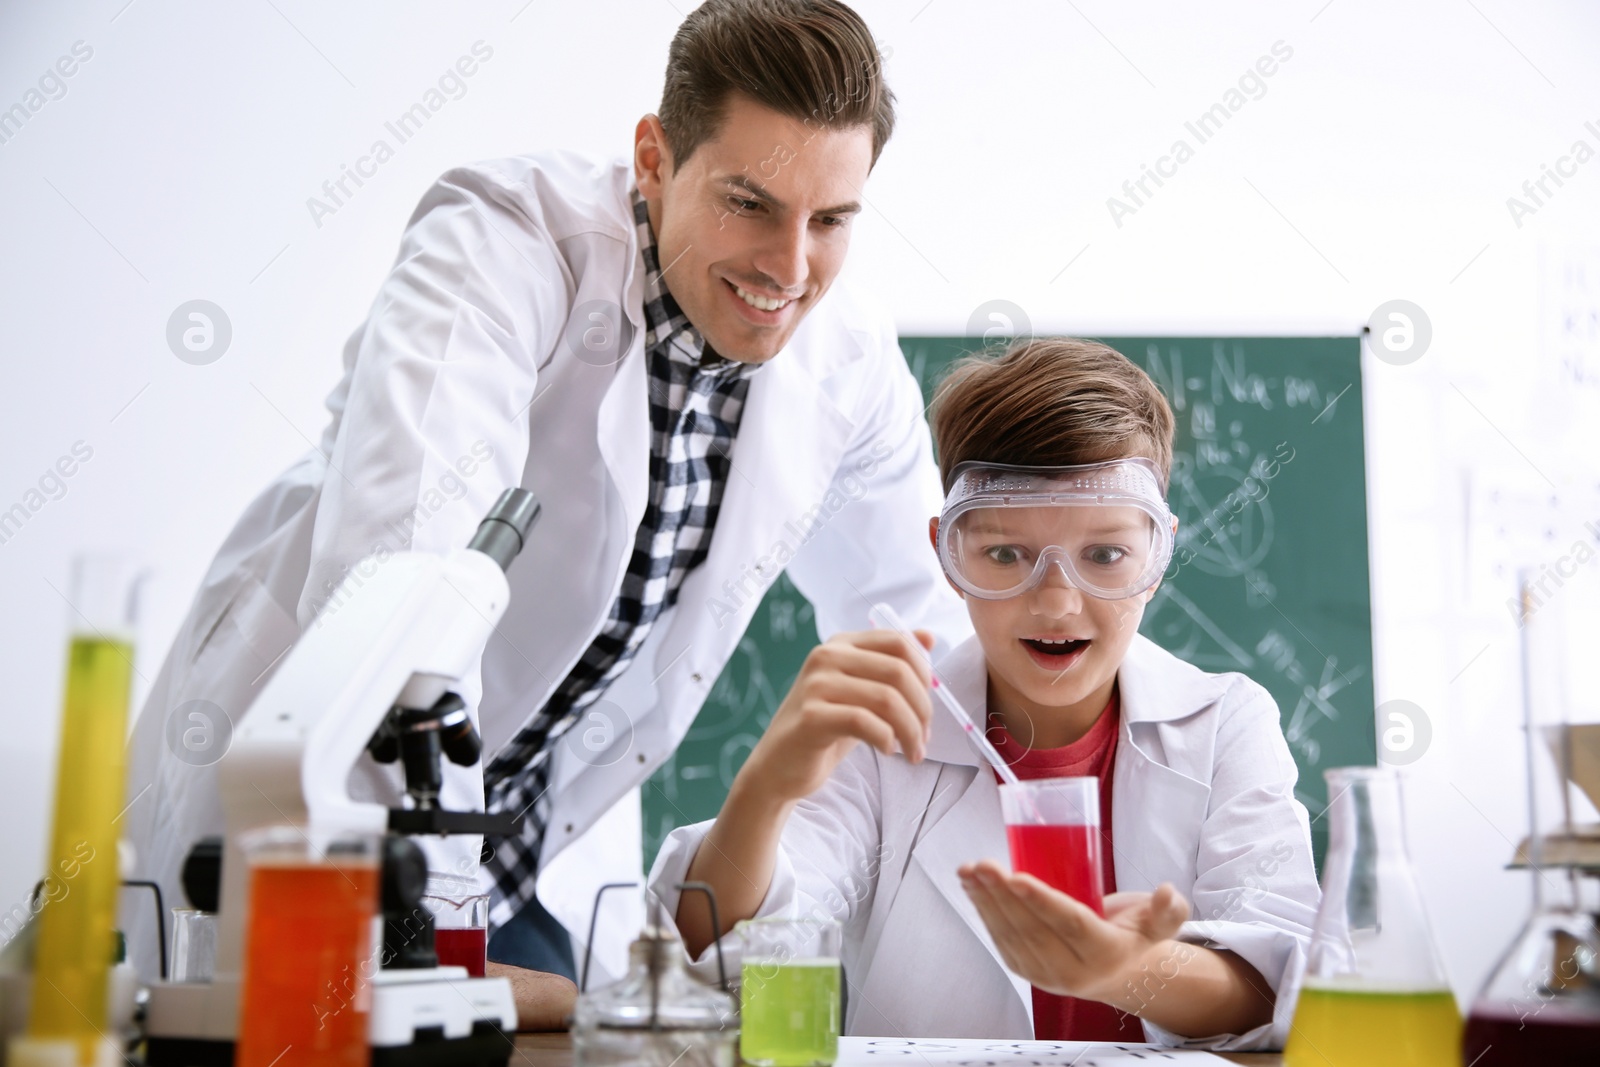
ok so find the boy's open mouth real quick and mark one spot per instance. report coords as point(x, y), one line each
point(1055, 655)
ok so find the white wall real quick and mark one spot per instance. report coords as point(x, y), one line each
point(1377, 166)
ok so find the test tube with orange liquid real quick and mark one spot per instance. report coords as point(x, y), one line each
point(309, 953)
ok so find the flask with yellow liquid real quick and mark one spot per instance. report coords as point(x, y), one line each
point(1375, 993)
point(68, 1020)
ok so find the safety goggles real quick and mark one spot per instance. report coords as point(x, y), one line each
point(1105, 525)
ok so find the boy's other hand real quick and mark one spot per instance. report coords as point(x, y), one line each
point(1063, 947)
point(868, 686)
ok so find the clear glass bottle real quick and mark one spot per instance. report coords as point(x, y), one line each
point(658, 1015)
point(1375, 992)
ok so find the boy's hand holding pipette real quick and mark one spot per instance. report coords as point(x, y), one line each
point(869, 687)
point(1129, 959)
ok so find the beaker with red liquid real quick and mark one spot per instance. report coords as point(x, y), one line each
point(1053, 828)
point(308, 955)
point(460, 930)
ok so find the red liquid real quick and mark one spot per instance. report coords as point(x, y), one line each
point(1547, 1037)
point(1063, 857)
point(462, 948)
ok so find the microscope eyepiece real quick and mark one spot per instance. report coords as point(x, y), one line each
point(503, 531)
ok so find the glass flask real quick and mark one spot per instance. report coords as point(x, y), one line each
point(1375, 992)
point(658, 1014)
point(1541, 1003)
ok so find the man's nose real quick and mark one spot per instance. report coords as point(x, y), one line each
point(783, 258)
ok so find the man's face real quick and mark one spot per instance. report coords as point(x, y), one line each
point(753, 229)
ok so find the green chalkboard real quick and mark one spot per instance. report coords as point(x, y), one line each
point(1269, 576)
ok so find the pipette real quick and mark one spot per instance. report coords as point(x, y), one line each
point(884, 616)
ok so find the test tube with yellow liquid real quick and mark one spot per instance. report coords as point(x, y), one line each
point(68, 1024)
point(1375, 992)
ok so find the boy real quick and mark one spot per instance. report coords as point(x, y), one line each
point(1056, 533)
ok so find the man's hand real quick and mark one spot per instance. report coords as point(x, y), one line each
point(544, 1001)
point(869, 686)
point(1061, 945)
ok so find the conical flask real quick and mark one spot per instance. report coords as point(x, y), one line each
point(1541, 1004)
point(1375, 993)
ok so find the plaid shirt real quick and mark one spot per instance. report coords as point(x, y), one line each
point(696, 399)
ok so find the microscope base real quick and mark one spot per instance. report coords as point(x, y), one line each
point(421, 1018)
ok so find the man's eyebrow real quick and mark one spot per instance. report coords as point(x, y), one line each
point(851, 208)
point(742, 185)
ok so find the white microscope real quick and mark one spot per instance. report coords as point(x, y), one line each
point(376, 675)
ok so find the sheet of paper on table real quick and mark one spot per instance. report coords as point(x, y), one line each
point(973, 1052)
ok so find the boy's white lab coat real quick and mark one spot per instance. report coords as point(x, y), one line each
point(1202, 797)
point(483, 365)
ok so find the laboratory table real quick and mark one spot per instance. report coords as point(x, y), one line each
point(555, 1050)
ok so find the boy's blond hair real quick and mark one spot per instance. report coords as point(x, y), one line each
point(1050, 402)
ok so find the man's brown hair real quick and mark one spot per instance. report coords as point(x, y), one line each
point(812, 60)
point(1052, 402)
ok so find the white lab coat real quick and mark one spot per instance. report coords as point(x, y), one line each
point(463, 381)
point(1202, 797)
